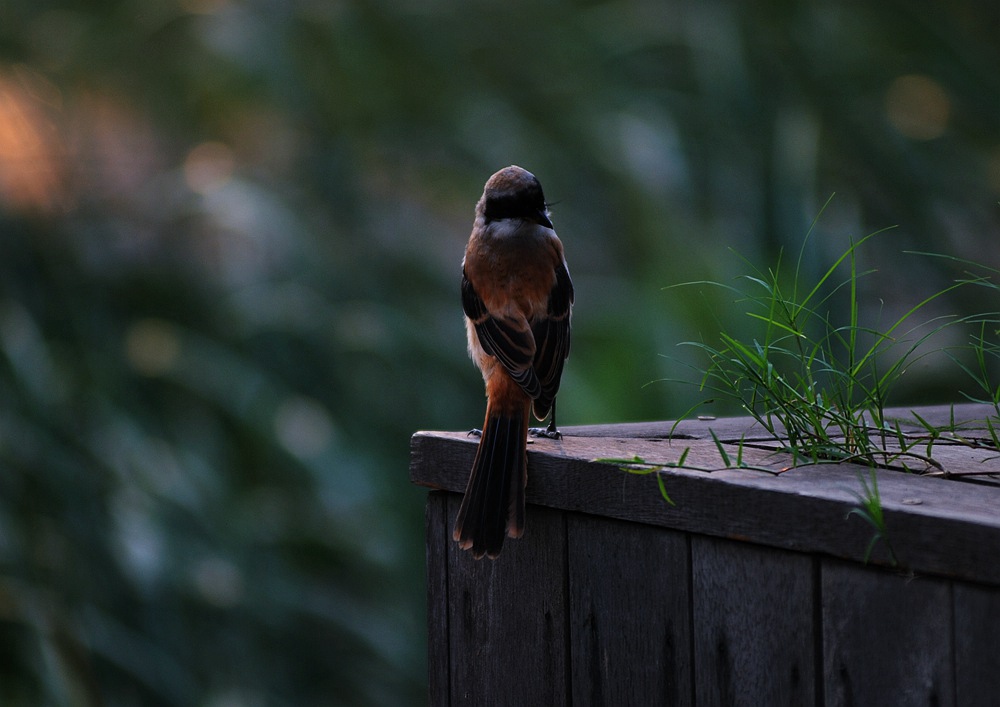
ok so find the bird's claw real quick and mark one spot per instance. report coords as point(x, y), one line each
point(546, 432)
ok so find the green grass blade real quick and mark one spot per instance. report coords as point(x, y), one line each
point(722, 450)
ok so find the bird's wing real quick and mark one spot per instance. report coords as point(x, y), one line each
point(508, 339)
point(551, 334)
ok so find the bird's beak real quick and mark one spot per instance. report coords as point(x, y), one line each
point(543, 219)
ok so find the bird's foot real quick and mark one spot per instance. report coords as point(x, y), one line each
point(475, 432)
point(547, 432)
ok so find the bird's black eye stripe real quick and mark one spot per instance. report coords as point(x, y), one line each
point(501, 207)
point(521, 204)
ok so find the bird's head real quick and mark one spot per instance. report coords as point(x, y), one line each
point(514, 193)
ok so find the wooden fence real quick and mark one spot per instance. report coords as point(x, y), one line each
point(751, 589)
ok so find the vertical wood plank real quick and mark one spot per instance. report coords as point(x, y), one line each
point(507, 618)
point(887, 638)
point(754, 635)
point(438, 669)
point(977, 644)
point(629, 613)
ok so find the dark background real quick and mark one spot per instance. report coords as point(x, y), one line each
point(230, 236)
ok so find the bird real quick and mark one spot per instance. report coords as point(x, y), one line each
point(517, 297)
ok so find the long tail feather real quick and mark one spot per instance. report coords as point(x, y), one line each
point(493, 506)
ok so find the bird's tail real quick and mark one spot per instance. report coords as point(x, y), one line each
point(493, 506)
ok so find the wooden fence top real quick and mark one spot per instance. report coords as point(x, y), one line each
point(947, 526)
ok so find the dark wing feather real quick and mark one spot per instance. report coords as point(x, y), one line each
point(552, 340)
point(472, 303)
point(509, 340)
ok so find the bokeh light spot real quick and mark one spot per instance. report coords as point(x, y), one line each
point(303, 426)
point(152, 346)
point(208, 167)
point(29, 143)
point(918, 107)
point(993, 170)
point(219, 581)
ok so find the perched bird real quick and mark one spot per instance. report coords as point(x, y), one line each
point(517, 296)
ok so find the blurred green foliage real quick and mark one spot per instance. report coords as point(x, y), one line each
point(230, 236)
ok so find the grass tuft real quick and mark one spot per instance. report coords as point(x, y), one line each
point(819, 384)
point(817, 378)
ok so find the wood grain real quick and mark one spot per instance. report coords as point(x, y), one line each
point(887, 638)
point(508, 630)
point(753, 625)
point(438, 652)
point(977, 645)
point(630, 629)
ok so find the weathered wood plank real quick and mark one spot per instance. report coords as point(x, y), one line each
point(935, 525)
point(959, 459)
point(977, 644)
point(438, 654)
point(443, 459)
point(887, 638)
point(942, 457)
point(507, 618)
point(753, 625)
point(629, 613)
point(966, 416)
point(726, 429)
point(585, 608)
